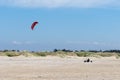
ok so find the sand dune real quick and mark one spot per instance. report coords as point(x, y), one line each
point(56, 68)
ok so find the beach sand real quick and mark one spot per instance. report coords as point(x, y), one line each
point(56, 68)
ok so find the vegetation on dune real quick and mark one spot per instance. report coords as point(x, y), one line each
point(62, 53)
point(43, 54)
point(9, 54)
point(84, 54)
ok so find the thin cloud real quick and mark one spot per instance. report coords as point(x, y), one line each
point(17, 43)
point(88, 43)
point(61, 3)
point(22, 43)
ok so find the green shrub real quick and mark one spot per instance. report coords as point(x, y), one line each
point(43, 54)
point(11, 54)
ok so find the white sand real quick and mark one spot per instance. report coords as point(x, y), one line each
point(55, 68)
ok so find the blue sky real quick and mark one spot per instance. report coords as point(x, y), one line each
point(76, 25)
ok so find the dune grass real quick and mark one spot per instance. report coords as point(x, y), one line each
point(59, 54)
point(10, 54)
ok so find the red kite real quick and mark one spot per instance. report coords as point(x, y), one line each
point(33, 25)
